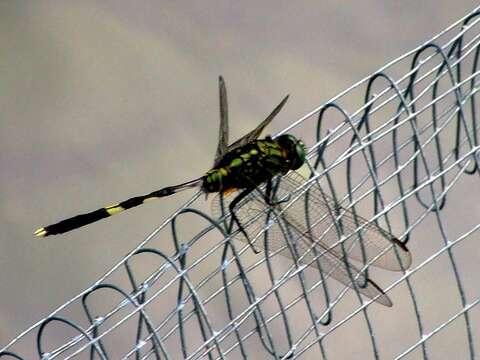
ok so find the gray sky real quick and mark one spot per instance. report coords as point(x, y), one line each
point(105, 100)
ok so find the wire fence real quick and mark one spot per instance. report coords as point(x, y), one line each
point(399, 159)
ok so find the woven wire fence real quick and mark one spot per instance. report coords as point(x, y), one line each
point(396, 149)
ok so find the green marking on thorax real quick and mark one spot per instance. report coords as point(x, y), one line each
point(274, 152)
point(236, 162)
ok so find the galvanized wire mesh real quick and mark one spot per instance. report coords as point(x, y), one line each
point(399, 146)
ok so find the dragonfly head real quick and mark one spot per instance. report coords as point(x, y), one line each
point(295, 150)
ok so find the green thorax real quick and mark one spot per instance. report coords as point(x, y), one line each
point(254, 163)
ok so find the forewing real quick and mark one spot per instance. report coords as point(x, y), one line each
point(328, 222)
point(288, 239)
point(320, 218)
point(333, 264)
point(222, 146)
point(255, 133)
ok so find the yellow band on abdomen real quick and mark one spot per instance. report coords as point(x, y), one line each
point(114, 209)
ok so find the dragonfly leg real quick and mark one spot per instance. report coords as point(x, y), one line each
point(235, 219)
point(268, 197)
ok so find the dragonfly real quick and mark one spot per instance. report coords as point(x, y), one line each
point(238, 172)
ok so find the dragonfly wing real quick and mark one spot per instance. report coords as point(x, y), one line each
point(222, 146)
point(282, 233)
point(321, 218)
point(328, 222)
point(255, 133)
point(333, 265)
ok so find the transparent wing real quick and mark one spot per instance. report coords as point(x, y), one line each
point(326, 221)
point(309, 224)
point(329, 260)
point(222, 146)
point(301, 248)
point(255, 133)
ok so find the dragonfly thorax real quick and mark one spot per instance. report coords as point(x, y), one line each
point(254, 163)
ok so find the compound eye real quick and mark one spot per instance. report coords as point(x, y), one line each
point(300, 155)
point(300, 149)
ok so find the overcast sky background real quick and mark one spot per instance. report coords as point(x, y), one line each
point(100, 101)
